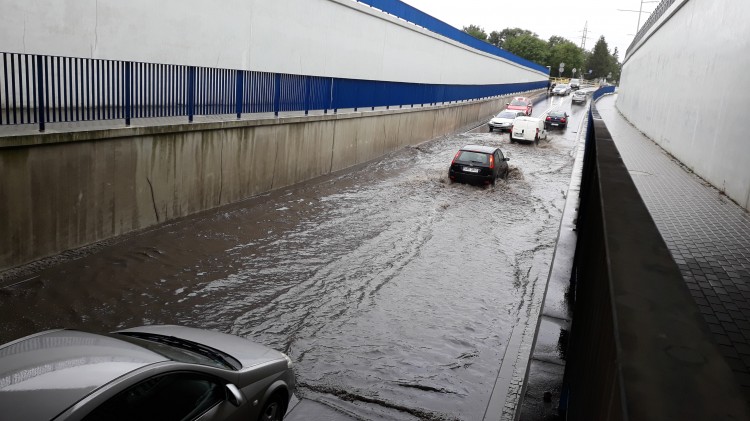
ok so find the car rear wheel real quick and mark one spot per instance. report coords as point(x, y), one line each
point(274, 409)
point(490, 129)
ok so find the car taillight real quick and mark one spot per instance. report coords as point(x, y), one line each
point(549, 118)
point(562, 120)
point(455, 157)
point(492, 161)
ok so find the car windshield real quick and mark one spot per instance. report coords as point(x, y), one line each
point(507, 114)
point(517, 103)
point(561, 86)
point(181, 349)
point(475, 157)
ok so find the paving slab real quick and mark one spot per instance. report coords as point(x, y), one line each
point(707, 233)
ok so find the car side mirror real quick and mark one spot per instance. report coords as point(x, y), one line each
point(507, 159)
point(234, 396)
point(507, 103)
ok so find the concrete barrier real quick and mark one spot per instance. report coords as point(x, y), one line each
point(61, 191)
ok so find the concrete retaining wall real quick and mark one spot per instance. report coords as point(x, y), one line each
point(685, 87)
point(330, 38)
point(64, 190)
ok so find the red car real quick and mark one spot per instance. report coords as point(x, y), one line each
point(520, 103)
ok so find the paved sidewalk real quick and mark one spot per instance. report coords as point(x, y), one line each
point(707, 233)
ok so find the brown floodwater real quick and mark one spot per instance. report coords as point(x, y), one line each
point(393, 290)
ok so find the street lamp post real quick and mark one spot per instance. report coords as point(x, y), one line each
point(640, 12)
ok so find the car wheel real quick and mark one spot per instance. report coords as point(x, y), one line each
point(505, 176)
point(511, 140)
point(490, 129)
point(274, 409)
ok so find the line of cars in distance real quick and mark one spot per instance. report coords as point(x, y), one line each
point(485, 164)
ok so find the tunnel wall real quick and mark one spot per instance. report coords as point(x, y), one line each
point(685, 86)
point(65, 190)
point(330, 38)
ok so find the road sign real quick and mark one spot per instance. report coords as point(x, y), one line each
point(574, 71)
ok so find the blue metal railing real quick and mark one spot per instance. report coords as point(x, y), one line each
point(37, 89)
point(417, 17)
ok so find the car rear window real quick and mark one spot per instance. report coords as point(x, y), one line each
point(475, 157)
point(517, 103)
point(556, 114)
point(507, 114)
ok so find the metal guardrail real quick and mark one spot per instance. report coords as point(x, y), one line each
point(413, 15)
point(655, 15)
point(37, 89)
point(639, 348)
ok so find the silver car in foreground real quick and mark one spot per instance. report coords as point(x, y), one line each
point(147, 373)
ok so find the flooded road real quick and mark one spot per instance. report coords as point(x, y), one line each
point(394, 291)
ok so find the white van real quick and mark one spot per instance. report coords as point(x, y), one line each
point(530, 129)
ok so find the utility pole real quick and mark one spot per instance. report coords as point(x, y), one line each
point(583, 38)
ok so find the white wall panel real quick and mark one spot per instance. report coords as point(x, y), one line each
point(336, 38)
point(686, 88)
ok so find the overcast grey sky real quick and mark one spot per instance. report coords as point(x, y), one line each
point(545, 17)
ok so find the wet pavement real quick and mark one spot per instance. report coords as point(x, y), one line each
point(707, 233)
point(395, 292)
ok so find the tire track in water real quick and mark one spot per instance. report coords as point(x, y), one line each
point(334, 290)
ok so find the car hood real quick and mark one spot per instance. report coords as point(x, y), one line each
point(502, 120)
point(248, 353)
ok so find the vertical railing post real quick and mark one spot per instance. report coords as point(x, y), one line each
point(276, 94)
point(191, 93)
point(238, 93)
point(127, 94)
point(333, 100)
point(40, 106)
point(308, 85)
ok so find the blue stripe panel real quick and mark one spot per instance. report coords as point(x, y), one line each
point(602, 91)
point(411, 14)
point(354, 93)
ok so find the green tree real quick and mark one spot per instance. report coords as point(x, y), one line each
point(495, 39)
point(600, 61)
point(476, 31)
point(555, 40)
point(527, 46)
point(500, 38)
point(564, 51)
